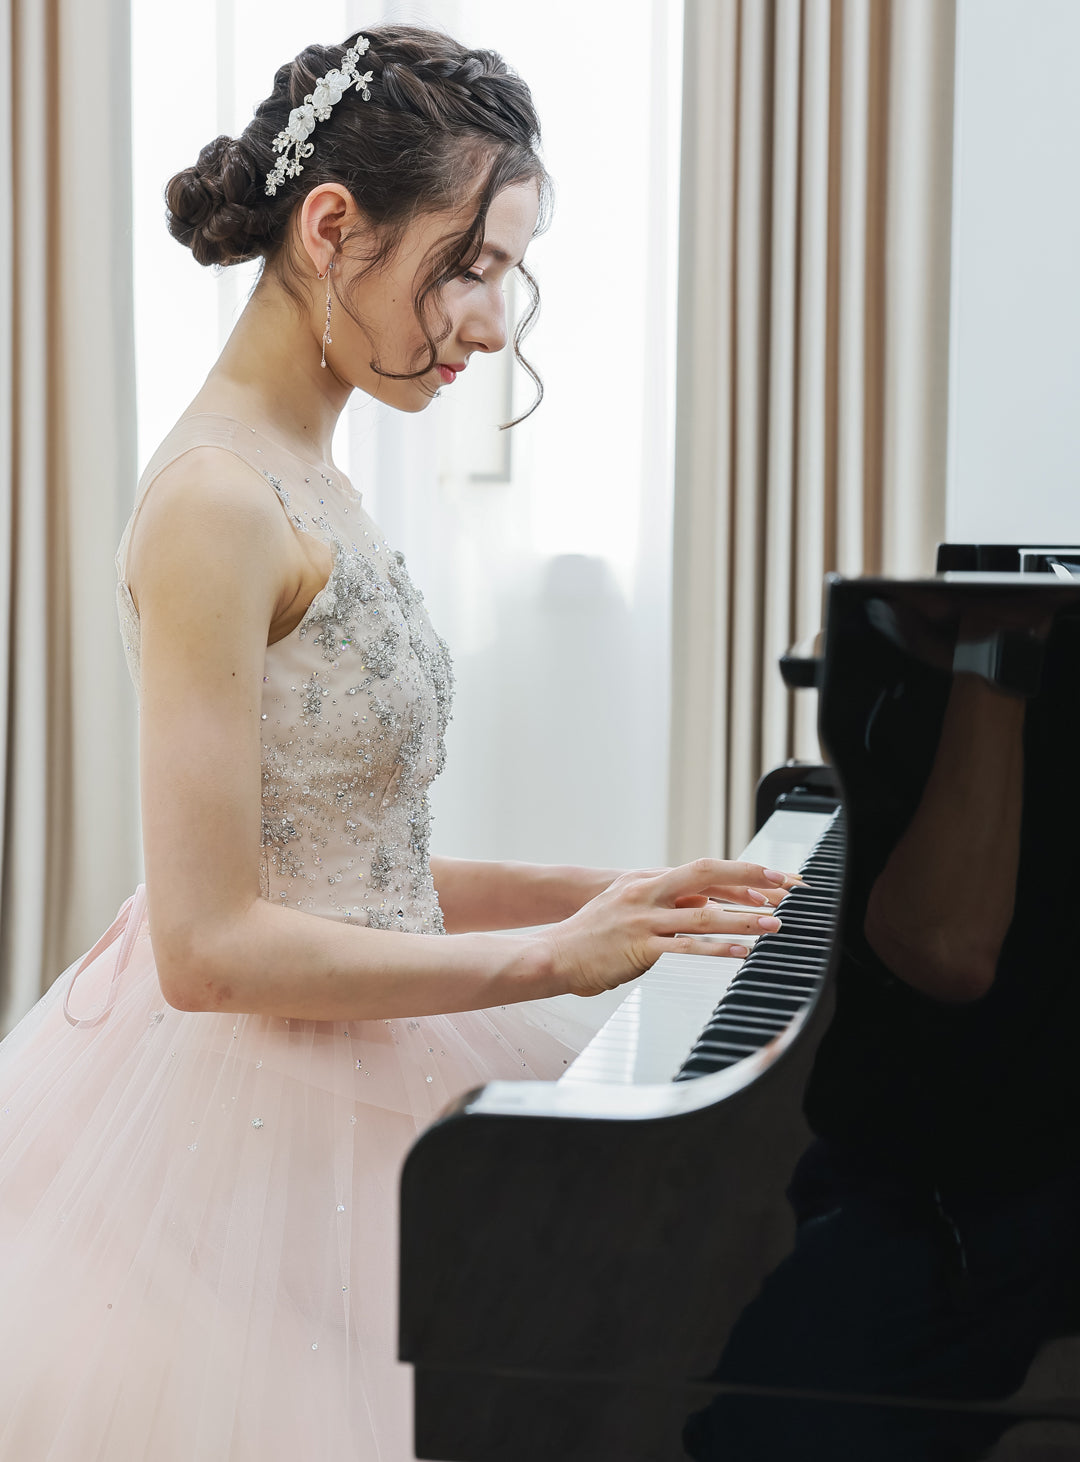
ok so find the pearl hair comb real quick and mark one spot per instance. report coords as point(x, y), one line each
point(292, 143)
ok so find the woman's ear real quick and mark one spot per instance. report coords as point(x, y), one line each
point(326, 213)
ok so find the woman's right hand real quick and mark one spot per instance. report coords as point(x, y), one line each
point(624, 930)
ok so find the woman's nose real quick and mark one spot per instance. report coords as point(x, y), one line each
point(485, 325)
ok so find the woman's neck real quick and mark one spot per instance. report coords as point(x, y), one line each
point(269, 376)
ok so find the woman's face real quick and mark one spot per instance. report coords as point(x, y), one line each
point(473, 304)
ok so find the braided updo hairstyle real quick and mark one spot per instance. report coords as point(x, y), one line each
point(444, 124)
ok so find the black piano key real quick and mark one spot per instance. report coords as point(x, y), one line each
point(784, 964)
point(787, 965)
point(771, 986)
point(749, 1028)
point(782, 972)
point(761, 1004)
point(805, 912)
point(754, 1037)
point(712, 1061)
point(726, 1051)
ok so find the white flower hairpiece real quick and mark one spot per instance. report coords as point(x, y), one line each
point(329, 90)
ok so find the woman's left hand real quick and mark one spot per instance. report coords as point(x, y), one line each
point(593, 881)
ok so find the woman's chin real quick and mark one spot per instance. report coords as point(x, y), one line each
point(412, 400)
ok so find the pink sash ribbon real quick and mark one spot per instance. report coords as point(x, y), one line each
point(128, 923)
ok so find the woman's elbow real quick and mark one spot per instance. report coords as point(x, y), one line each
point(189, 976)
point(956, 977)
point(951, 968)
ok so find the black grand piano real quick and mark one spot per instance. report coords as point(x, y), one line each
point(825, 1203)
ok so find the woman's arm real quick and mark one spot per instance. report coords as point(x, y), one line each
point(482, 895)
point(214, 569)
point(939, 910)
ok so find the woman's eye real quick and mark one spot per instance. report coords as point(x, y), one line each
point(473, 278)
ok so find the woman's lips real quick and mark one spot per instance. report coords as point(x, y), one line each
point(448, 373)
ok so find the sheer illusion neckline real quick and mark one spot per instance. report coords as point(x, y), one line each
point(324, 470)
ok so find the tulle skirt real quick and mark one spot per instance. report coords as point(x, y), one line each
point(198, 1216)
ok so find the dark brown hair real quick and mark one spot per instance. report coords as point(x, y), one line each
point(445, 127)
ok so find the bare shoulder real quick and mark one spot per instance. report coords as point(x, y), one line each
point(204, 517)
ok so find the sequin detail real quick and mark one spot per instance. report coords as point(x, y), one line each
point(382, 865)
point(336, 611)
point(380, 919)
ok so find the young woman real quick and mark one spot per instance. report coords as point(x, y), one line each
point(201, 1125)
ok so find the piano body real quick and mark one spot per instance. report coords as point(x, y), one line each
point(822, 1202)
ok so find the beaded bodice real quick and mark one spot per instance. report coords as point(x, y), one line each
point(355, 703)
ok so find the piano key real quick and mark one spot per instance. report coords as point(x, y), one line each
point(799, 948)
point(647, 1038)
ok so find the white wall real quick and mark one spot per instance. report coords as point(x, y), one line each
point(1014, 450)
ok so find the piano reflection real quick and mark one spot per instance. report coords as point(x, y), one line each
point(823, 1203)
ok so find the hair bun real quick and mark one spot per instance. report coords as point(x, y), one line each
point(216, 207)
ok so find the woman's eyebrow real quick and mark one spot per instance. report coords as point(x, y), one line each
point(499, 255)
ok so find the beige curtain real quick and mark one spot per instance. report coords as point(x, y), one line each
point(69, 847)
point(813, 345)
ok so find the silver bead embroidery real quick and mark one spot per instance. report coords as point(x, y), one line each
point(412, 748)
point(380, 654)
point(312, 698)
point(353, 584)
point(382, 865)
point(379, 919)
point(275, 483)
point(385, 714)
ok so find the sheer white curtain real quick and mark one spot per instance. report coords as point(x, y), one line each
point(543, 552)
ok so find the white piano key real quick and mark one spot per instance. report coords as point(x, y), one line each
point(786, 840)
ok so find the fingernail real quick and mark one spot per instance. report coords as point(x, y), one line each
point(757, 896)
point(739, 951)
point(770, 925)
point(774, 877)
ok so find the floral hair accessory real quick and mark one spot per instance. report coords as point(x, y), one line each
point(329, 90)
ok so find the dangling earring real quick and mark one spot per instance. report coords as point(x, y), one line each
point(326, 337)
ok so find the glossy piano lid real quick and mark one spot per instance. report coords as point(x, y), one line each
point(865, 1246)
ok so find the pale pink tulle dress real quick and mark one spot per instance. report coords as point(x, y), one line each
point(198, 1213)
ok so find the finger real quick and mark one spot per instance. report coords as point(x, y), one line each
point(743, 905)
point(714, 919)
point(688, 944)
point(750, 897)
point(785, 880)
point(735, 878)
point(710, 876)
